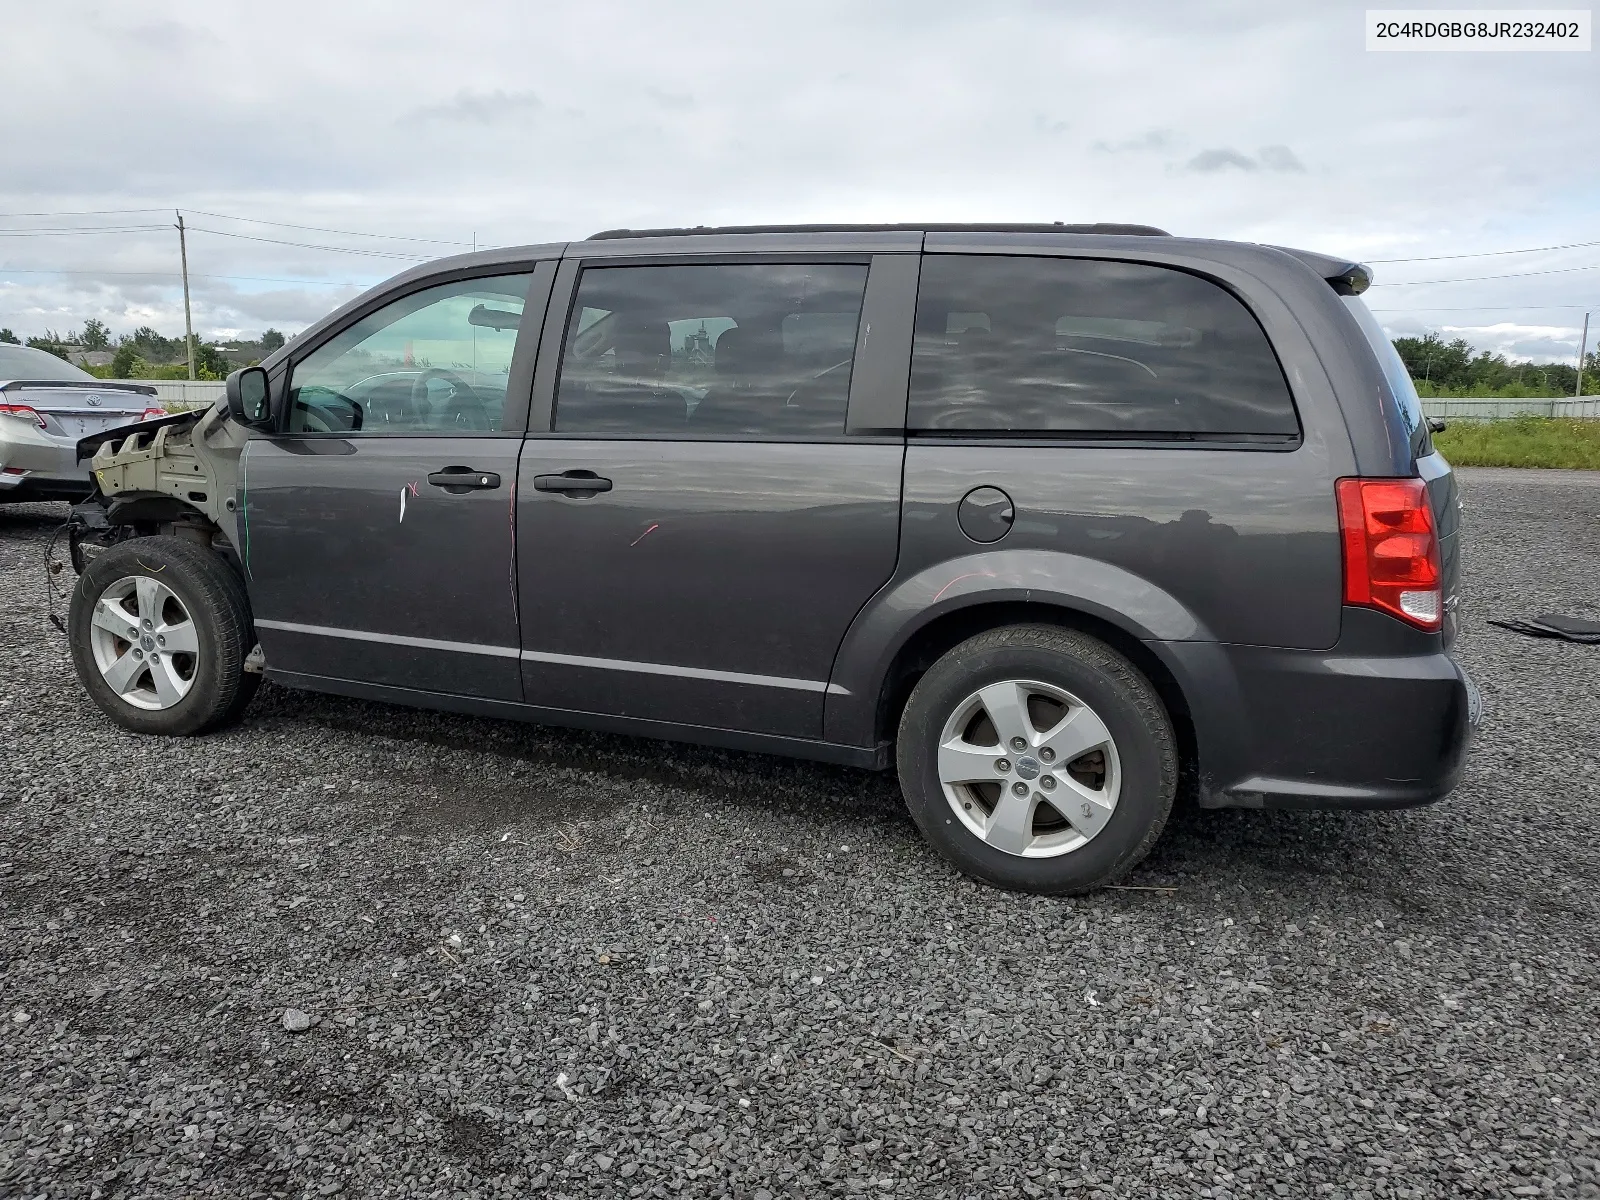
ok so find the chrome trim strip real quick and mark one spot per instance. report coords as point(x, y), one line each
point(391, 639)
point(646, 668)
point(565, 660)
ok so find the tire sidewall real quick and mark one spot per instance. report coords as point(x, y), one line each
point(154, 558)
point(1148, 767)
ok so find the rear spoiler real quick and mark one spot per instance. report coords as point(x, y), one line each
point(141, 389)
point(1345, 277)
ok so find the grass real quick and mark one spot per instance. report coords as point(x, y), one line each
point(1523, 442)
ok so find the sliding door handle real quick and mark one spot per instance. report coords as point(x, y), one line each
point(572, 483)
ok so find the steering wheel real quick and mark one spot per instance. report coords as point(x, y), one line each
point(467, 407)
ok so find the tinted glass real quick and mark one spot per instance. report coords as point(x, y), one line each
point(1083, 346)
point(27, 362)
point(753, 351)
point(1394, 367)
point(436, 361)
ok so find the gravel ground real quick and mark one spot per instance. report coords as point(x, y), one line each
point(536, 962)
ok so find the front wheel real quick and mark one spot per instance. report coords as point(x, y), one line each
point(1038, 759)
point(159, 629)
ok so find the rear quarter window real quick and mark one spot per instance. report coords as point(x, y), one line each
point(1085, 346)
point(1394, 373)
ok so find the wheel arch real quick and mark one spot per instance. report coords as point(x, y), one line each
point(103, 521)
point(929, 641)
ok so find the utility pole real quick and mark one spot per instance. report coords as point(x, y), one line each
point(188, 323)
point(1583, 348)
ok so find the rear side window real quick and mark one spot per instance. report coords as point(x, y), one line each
point(1083, 346)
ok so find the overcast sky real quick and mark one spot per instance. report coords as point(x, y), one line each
point(514, 122)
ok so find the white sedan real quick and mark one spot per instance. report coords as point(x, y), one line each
point(46, 405)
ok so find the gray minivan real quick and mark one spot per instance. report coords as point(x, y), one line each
point(1060, 521)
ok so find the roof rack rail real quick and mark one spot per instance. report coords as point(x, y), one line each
point(1100, 227)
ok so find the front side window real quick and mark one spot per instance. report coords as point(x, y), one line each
point(434, 362)
point(716, 350)
point(1084, 346)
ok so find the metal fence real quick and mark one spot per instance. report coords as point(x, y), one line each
point(1477, 408)
point(184, 393)
point(181, 393)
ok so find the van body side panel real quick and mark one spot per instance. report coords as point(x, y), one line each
point(1246, 541)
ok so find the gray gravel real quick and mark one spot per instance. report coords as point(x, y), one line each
point(533, 962)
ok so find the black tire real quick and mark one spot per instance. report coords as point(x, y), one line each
point(1085, 668)
point(214, 597)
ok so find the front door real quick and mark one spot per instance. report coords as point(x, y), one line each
point(376, 527)
point(697, 530)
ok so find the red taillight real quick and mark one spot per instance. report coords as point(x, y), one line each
point(150, 414)
point(1391, 549)
point(22, 410)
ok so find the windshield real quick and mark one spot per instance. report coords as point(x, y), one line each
point(24, 362)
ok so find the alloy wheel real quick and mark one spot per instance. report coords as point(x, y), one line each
point(144, 642)
point(1029, 768)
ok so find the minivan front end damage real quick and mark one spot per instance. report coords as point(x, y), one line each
point(178, 475)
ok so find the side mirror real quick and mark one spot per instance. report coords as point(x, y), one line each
point(1437, 424)
point(250, 397)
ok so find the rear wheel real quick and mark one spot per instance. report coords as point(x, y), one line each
point(159, 629)
point(1038, 759)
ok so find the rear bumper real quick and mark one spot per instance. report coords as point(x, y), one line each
point(1380, 721)
point(24, 447)
point(27, 488)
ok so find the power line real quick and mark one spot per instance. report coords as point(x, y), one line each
point(103, 212)
point(65, 232)
point(192, 275)
point(1477, 278)
point(1486, 253)
point(310, 246)
point(322, 229)
point(78, 231)
point(98, 212)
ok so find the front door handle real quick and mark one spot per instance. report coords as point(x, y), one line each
point(572, 483)
point(460, 480)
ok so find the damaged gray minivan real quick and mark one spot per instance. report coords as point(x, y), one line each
point(1058, 520)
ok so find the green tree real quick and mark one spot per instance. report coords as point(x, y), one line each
point(95, 335)
point(50, 344)
point(271, 340)
point(125, 361)
point(1441, 368)
point(9, 338)
point(152, 347)
point(1433, 360)
point(209, 362)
